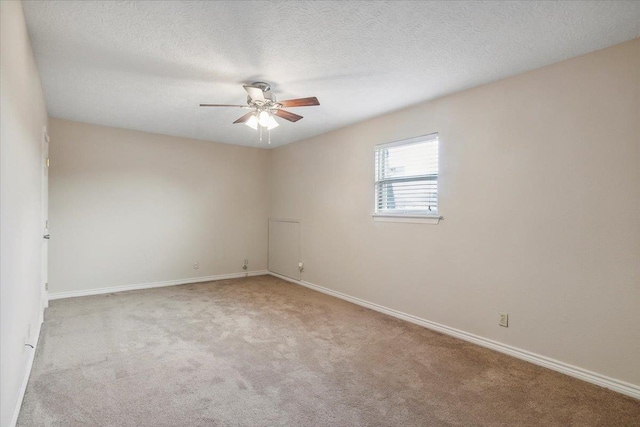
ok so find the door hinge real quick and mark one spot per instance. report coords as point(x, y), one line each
point(46, 286)
point(46, 223)
point(47, 162)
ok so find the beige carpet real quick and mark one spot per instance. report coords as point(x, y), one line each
point(264, 352)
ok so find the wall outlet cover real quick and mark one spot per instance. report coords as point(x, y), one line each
point(504, 320)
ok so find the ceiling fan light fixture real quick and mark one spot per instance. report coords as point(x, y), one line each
point(272, 123)
point(263, 119)
point(252, 122)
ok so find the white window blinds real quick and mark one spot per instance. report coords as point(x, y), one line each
point(407, 177)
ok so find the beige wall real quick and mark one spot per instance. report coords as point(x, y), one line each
point(131, 208)
point(23, 115)
point(540, 190)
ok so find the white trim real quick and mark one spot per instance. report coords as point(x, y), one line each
point(98, 291)
point(433, 136)
point(27, 374)
point(623, 387)
point(407, 218)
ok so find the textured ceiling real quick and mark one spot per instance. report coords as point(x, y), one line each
point(147, 65)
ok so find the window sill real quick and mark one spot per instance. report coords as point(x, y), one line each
point(408, 218)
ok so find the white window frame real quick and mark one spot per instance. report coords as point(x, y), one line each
point(429, 217)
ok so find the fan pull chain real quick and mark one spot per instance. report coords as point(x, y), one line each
point(269, 132)
point(260, 127)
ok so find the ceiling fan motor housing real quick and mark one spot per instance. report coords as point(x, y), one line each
point(266, 92)
point(265, 87)
point(269, 97)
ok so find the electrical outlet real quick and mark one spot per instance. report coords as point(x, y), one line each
point(300, 266)
point(246, 265)
point(196, 266)
point(504, 320)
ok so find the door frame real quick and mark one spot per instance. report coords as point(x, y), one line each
point(44, 203)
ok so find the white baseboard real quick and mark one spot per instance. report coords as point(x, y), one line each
point(623, 387)
point(27, 373)
point(98, 291)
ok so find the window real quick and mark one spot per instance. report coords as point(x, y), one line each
point(407, 177)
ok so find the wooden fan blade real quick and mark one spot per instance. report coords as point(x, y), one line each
point(254, 93)
point(222, 105)
point(287, 115)
point(300, 102)
point(244, 118)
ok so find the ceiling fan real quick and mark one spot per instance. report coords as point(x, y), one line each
point(263, 105)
